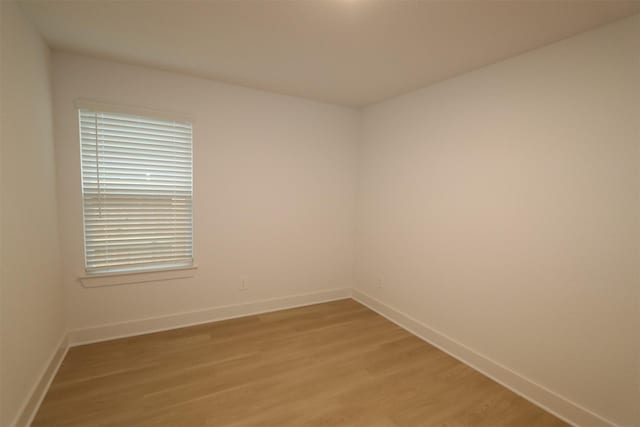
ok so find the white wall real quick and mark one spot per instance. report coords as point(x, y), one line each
point(274, 191)
point(31, 283)
point(501, 209)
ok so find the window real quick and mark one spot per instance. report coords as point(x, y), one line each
point(137, 188)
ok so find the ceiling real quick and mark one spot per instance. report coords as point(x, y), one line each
point(347, 52)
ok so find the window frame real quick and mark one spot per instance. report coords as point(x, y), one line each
point(92, 278)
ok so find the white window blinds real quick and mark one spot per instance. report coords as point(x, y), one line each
point(137, 186)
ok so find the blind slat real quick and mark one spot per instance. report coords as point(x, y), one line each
point(139, 242)
point(139, 163)
point(143, 264)
point(132, 143)
point(123, 118)
point(137, 182)
point(115, 125)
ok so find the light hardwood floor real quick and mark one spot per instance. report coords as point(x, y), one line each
point(332, 364)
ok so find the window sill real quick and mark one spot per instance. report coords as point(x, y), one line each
point(129, 277)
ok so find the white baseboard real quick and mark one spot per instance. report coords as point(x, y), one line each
point(39, 390)
point(180, 320)
point(552, 402)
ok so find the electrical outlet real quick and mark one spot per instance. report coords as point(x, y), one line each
point(379, 283)
point(243, 284)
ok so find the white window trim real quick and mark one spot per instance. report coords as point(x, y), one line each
point(129, 277)
point(102, 279)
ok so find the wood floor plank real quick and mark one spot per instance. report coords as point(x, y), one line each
point(332, 364)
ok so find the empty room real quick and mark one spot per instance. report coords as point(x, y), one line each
point(354, 213)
